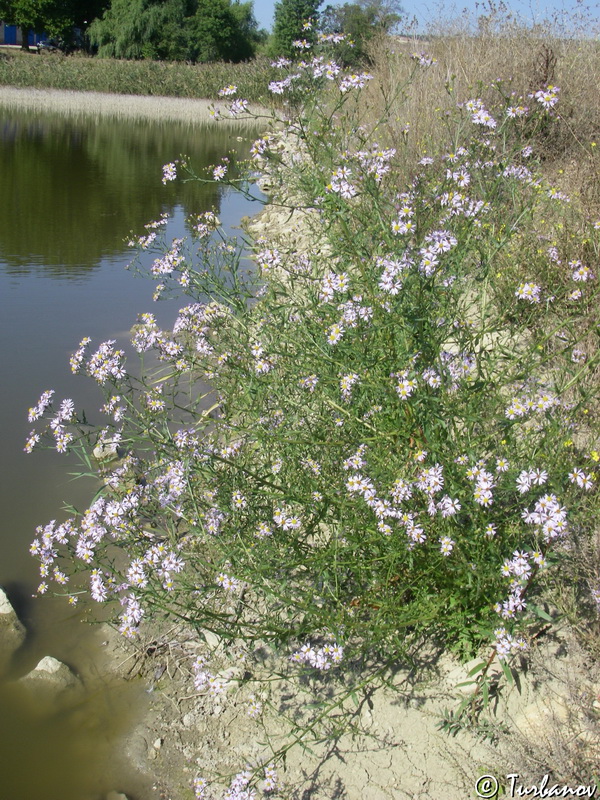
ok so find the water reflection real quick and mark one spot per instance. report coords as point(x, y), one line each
point(78, 187)
point(75, 189)
point(65, 750)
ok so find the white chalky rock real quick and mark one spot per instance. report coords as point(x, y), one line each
point(106, 451)
point(116, 796)
point(212, 640)
point(49, 677)
point(12, 632)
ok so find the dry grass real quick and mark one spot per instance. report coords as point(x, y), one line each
point(558, 731)
point(500, 58)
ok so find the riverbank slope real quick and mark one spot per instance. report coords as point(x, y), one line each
point(124, 106)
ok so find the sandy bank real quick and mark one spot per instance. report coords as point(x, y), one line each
point(125, 106)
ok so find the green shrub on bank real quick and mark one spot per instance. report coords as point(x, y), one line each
point(385, 435)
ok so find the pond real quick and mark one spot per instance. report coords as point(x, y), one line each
point(74, 189)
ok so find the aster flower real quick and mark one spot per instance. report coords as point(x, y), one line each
point(547, 97)
point(169, 172)
point(446, 545)
point(529, 292)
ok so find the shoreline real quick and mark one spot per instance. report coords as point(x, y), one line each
point(122, 106)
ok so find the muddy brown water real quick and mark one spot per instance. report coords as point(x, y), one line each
point(72, 192)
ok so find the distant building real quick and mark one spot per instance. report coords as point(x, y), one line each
point(10, 34)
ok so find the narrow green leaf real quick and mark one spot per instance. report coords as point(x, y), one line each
point(539, 612)
point(507, 672)
point(477, 668)
point(485, 693)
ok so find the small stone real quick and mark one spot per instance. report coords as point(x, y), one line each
point(212, 640)
point(106, 451)
point(116, 796)
point(157, 744)
point(12, 632)
point(49, 678)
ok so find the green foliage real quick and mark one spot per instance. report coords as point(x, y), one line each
point(374, 403)
point(360, 23)
point(176, 30)
point(288, 25)
point(223, 32)
point(57, 18)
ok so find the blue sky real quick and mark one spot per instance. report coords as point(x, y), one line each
point(425, 12)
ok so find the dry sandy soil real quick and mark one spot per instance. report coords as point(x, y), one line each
point(394, 750)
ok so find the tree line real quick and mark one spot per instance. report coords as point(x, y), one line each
point(197, 31)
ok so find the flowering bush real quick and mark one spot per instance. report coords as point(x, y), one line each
point(382, 432)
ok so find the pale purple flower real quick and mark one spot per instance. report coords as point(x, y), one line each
point(581, 273)
point(423, 59)
point(228, 583)
point(529, 292)
point(270, 778)
point(583, 480)
point(446, 545)
point(505, 643)
point(238, 107)
point(335, 333)
point(169, 172)
point(323, 658)
point(309, 382)
point(547, 97)
point(36, 411)
point(355, 81)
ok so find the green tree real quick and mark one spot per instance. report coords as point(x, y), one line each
point(176, 30)
point(288, 25)
point(248, 26)
point(143, 29)
point(360, 22)
point(223, 31)
point(57, 18)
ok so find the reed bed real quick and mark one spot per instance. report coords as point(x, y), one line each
point(153, 78)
